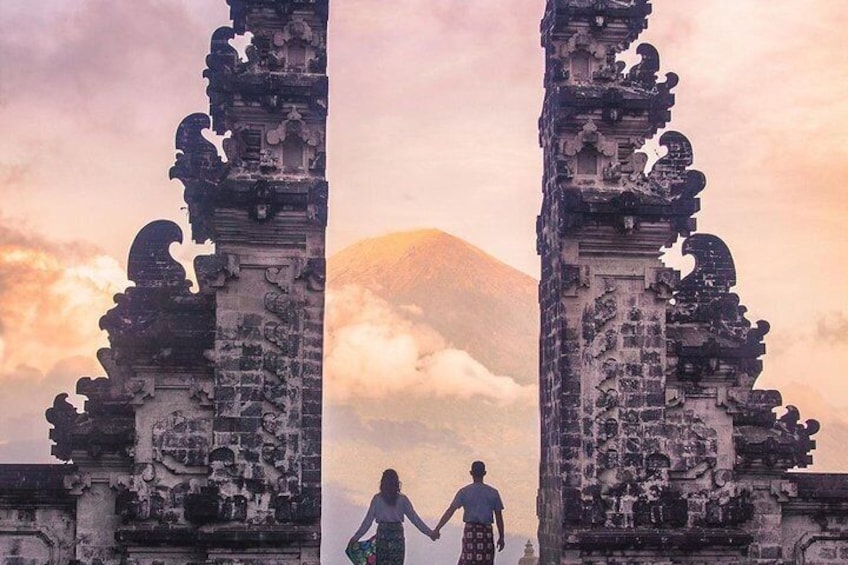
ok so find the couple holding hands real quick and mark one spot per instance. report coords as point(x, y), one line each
point(481, 506)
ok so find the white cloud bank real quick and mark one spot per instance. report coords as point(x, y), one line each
point(373, 351)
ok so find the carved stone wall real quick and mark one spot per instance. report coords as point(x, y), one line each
point(37, 520)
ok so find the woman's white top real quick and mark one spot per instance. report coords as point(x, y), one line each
point(384, 512)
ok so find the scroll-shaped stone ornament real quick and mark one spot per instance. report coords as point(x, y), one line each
point(197, 159)
point(712, 278)
point(222, 55)
point(704, 295)
point(671, 175)
point(782, 443)
point(284, 275)
point(158, 320)
point(221, 64)
point(150, 263)
point(791, 423)
point(645, 72)
point(63, 416)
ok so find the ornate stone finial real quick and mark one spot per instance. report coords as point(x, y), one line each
point(150, 263)
point(529, 555)
point(62, 415)
point(197, 158)
point(714, 273)
point(672, 172)
point(159, 318)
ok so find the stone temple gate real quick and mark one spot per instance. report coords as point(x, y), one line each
point(203, 444)
point(656, 447)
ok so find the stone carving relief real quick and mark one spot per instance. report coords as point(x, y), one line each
point(294, 146)
point(285, 276)
point(142, 498)
point(297, 48)
point(587, 154)
point(213, 271)
point(575, 277)
point(662, 281)
point(827, 548)
point(691, 444)
point(26, 548)
point(180, 442)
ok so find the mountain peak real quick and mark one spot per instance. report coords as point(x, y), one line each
point(473, 299)
point(399, 260)
point(397, 244)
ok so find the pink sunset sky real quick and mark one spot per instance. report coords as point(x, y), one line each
point(433, 113)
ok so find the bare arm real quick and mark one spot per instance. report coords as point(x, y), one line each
point(416, 520)
point(366, 523)
point(445, 518)
point(499, 522)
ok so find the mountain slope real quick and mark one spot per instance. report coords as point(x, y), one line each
point(476, 302)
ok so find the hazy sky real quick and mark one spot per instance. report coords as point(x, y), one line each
point(433, 115)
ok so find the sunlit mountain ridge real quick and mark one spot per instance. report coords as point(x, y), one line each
point(478, 303)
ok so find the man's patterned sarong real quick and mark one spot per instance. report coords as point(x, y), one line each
point(478, 545)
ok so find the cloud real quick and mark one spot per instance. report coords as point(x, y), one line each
point(373, 351)
point(27, 393)
point(91, 109)
point(95, 52)
point(13, 176)
point(397, 395)
point(51, 297)
point(344, 424)
point(833, 329)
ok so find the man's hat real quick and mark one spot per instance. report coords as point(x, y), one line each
point(478, 469)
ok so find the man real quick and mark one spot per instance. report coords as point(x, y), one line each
point(481, 506)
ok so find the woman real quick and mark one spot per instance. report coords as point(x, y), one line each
point(389, 507)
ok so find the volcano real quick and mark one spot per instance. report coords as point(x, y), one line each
point(478, 303)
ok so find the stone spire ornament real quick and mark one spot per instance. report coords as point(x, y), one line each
point(529, 555)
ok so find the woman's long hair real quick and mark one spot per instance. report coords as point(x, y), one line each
point(390, 486)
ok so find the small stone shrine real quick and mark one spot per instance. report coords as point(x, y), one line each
point(203, 444)
point(656, 447)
